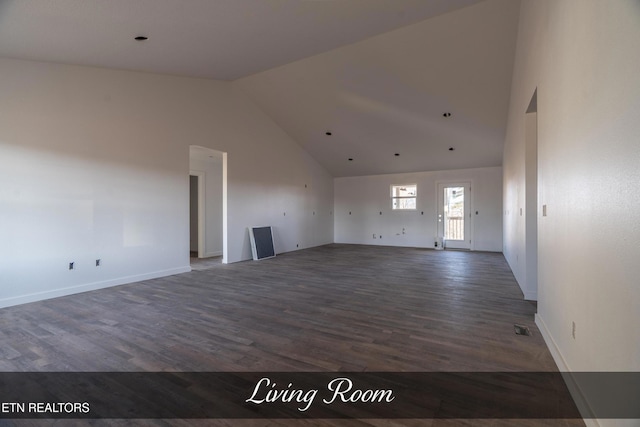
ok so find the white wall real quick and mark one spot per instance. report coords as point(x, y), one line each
point(583, 57)
point(211, 167)
point(520, 207)
point(365, 197)
point(94, 163)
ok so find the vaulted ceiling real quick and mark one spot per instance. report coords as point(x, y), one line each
point(377, 74)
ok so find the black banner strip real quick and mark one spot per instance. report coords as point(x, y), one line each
point(327, 395)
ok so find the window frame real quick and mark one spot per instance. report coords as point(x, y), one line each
point(398, 198)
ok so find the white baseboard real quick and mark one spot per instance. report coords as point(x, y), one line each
point(61, 292)
point(578, 397)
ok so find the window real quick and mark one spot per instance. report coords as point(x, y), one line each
point(403, 197)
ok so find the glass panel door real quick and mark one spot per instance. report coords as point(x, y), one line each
point(453, 215)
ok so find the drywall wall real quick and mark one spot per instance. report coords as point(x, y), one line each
point(583, 58)
point(211, 169)
point(363, 209)
point(94, 164)
point(520, 208)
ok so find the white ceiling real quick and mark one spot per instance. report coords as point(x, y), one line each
point(387, 95)
point(376, 73)
point(217, 39)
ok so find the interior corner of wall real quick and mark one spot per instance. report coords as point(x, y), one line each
point(579, 398)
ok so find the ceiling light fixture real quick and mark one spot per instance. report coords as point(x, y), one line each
point(142, 38)
point(397, 154)
point(350, 159)
point(451, 148)
point(446, 114)
point(328, 133)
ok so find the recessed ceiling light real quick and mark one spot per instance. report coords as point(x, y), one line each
point(446, 114)
point(328, 133)
point(451, 148)
point(142, 38)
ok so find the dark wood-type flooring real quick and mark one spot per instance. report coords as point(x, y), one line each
point(331, 308)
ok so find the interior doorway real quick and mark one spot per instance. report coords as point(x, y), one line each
point(193, 216)
point(197, 203)
point(207, 206)
point(454, 214)
point(531, 199)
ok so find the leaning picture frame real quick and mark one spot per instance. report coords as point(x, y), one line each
point(262, 246)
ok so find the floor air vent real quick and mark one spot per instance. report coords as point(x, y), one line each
point(522, 330)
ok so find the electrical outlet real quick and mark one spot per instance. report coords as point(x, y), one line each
point(544, 210)
point(374, 236)
point(71, 265)
point(98, 261)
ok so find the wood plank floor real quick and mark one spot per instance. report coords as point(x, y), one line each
point(331, 308)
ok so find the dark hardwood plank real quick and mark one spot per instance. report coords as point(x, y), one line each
point(331, 308)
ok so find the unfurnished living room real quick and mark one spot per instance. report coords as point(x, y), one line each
point(319, 212)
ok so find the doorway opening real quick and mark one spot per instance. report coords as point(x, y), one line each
point(454, 218)
point(207, 207)
point(194, 216)
point(531, 199)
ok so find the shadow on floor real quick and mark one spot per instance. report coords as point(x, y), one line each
point(198, 264)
